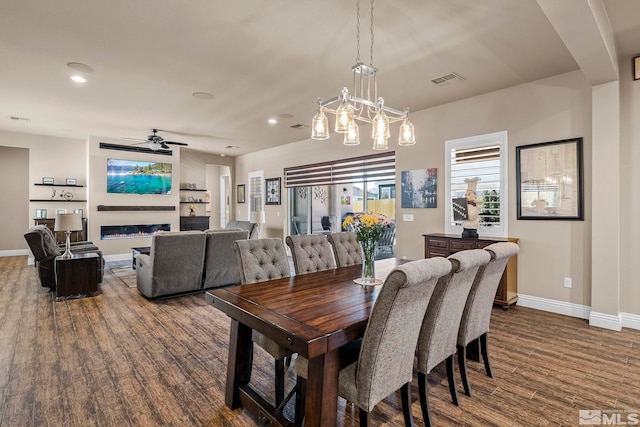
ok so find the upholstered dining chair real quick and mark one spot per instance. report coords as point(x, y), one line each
point(387, 350)
point(346, 248)
point(439, 333)
point(477, 311)
point(262, 260)
point(310, 252)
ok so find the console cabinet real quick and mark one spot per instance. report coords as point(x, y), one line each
point(439, 244)
point(194, 223)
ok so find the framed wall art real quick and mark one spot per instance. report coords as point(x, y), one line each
point(636, 68)
point(272, 186)
point(47, 180)
point(419, 188)
point(241, 193)
point(549, 180)
point(72, 181)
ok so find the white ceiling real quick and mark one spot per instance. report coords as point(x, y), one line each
point(260, 59)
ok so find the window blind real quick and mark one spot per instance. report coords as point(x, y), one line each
point(376, 167)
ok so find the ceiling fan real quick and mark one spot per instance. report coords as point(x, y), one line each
point(156, 142)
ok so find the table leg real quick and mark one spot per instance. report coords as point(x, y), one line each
point(239, 362)
point(321, 404)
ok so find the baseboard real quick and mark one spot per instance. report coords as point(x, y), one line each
point(630, 320)
point(606, 321)
point(600, 320)
point(555, 306)
point(15, 252)
point(118, 257)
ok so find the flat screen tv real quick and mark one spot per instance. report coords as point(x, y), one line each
point(138, 177)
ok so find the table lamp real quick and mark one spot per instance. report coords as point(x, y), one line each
point(258, 217)
point(68, 223)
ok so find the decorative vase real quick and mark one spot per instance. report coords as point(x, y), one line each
point(192, 213)
point(368, 262)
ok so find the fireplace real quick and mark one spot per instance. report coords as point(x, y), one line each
point(111, 232)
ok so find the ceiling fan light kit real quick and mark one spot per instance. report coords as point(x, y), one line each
point(363, 105)
point(155, 142)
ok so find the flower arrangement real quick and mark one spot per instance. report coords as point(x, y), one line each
point(192, 209)
point(368, 228)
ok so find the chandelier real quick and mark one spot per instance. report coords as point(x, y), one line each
point(362, 105)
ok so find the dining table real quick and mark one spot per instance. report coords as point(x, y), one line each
point(312, 315)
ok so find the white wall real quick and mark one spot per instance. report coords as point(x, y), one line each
point(551, 109)
point(59, 158)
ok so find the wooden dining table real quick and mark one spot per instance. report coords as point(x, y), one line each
point(311, 314)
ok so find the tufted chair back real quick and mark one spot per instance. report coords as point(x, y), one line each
point(311, 252)
point(385, 363)
point(477, 312)
point(439, 333)
point(261, 260)
point(474, 325)
point(346, 248)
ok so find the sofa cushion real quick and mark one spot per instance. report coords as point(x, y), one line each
point(221, 266)
point(175, 264)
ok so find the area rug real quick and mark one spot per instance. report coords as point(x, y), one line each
point(127, 275)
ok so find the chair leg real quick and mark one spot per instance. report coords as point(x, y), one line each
point(462, 366)
point(485, 354)
point(279, 370)
point(365, 419)
point(424, 399)
point(301, 395)
point(452, 380)
point(405, 393)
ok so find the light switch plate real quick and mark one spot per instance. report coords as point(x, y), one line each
point(407, 217)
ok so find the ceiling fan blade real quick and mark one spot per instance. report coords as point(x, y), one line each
point(176, 143)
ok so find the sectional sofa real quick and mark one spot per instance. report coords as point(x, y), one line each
point(189, 261)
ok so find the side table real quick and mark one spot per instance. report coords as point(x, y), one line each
point(144, 250)
point(76, 277)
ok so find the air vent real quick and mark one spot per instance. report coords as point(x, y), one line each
point(20, 119)
point(448, 77)
point(300, 126)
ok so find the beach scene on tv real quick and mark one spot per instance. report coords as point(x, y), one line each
point(138, 177)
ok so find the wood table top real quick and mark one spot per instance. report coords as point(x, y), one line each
point(310, 314)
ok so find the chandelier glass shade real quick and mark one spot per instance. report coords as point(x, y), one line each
point(362, 104)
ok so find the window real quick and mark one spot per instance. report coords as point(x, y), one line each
point(255, 192)
point(485, 157)
point(359, 184)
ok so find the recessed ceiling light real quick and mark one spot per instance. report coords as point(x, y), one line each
point(78, 79)
point(202, 95)
point(231, 146)
point(222, 155)
point(272, 121)
point(79, 66)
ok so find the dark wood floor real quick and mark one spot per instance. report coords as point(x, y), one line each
point(118, 359)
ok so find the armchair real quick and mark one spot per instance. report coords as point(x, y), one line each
point(44, 248)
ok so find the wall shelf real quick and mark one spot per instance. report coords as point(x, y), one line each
point(193, 203)
point(57, 201)
point(108, 208)
point(192, 189)
point(58, 185)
